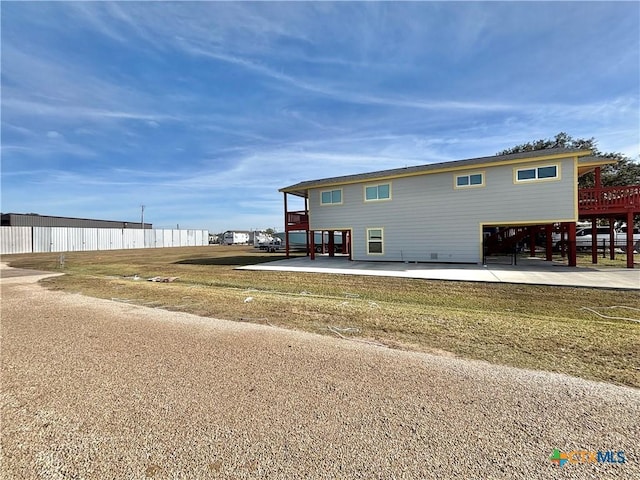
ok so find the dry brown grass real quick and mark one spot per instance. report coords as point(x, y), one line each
point(619, 260)
point(521, 325)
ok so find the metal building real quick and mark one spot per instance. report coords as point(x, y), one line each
point(35, 220)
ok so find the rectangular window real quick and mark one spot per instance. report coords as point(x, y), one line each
point(470, 180)
point(528, 174)
point(377, 192)
point(537, 173)
point(548, 172)
point(331, 197)
point(375, 241)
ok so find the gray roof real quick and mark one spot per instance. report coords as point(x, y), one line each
point(37, 220)
point(301, 188)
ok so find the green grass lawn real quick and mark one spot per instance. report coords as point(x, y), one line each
point(526, 326)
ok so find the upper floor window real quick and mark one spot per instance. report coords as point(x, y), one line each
point(377, 192)
point(331, 197)
point(470, 180)
point(548, 172)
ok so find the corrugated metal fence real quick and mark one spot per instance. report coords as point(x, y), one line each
point(68, 239)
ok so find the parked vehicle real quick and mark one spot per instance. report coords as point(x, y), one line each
point(623, 238)
point(271, 245)
point(236, 237)
point(603, 239)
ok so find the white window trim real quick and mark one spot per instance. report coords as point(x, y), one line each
point(332, 203)
point(364, 192)
point(381, 241)
point(536, 168)
point(469, 174)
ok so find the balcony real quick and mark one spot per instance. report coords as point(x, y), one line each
point(297, 221)
point(608, 200)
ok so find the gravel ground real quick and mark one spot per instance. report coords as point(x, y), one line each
point(93, 389)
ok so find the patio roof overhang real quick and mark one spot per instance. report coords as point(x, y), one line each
point(589, 164)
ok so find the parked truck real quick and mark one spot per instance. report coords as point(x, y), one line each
point(603, 239)
point(270, 245)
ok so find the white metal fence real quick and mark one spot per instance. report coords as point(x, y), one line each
point(68, 239)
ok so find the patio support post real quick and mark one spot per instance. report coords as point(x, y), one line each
point(311, 244)
point(345, 242)
point(597, 180)
point(572, 254)
point(563, 240)
point(286, 227)
point(350, 233)
point(332, 243)
point(594, 240)
point(532, 241)
point(629, 239)
point(548, 235)
point(612, 239)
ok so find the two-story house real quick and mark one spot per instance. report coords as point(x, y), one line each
point(441, 212)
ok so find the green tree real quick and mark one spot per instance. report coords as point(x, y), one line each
point(624, 172)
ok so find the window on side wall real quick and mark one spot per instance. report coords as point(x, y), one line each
point(377, 192)
point(532, 174)
point(375, 241)
point(331, 197)
point(475, 179)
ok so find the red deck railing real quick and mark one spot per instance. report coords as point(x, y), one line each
point(297, 221)
point(609, 199)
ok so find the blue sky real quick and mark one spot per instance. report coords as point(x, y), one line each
point(201, 111)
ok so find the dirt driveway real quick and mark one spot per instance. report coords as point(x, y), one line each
point(93, 389)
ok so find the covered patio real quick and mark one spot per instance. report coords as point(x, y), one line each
point(531, 271)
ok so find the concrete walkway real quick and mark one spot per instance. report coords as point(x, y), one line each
point(15, 275)
point(534, 271)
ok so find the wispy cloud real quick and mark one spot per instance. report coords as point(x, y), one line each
point(203, 110)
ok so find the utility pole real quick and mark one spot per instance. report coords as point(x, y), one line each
point(142, 217)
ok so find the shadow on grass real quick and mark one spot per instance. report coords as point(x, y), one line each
point(240, 260)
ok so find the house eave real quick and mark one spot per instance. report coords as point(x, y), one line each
point(301, 189)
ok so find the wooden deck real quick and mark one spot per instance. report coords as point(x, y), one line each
point(605, 201)
point(297, 221)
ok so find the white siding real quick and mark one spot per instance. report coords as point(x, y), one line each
point(168, 238)
point(132, 238)
point(175, 235)
point(427, 219)
point(59, 239)
point(191, 238)
point(90, 239)
point(150, 238)
point(75, 239)
point(15, 240)
point(41, 239)
point(109, 239)
point(68, 239)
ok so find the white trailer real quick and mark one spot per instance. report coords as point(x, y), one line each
point(236, 238)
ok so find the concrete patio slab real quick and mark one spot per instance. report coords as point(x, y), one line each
point(531, 271)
